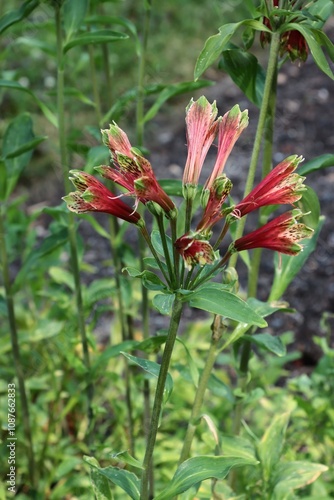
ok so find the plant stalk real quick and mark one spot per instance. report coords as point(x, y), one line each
point(158, 400)
point(17, 354)
point(71, 220)
point(203, 382)
point(271, 71)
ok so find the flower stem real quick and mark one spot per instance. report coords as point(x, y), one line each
point(141, 74)
point(271, 71)
point(71, 220)
point(158, 400)
point(17, 354)
point(165, 248)
point(267, 165)
point(203, 382)
point(147, 238)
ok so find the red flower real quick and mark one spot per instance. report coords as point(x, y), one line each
point(213, 200)
point(93, 196)
point(133, 171)
point(292, 42)
point(281, 234)
point(201, 130)
point(194, 250)
point(281, 186)
point(230, 128)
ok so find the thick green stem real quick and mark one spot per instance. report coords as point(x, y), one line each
point(271, 71)
point(17, 354)
point(203, 383)
point(159, 393)
point(71, 220)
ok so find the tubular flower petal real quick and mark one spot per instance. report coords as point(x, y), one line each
point(93, 196)
point(281, 234)
point(281, 186)
point(213, 200)
point(230, 129)
point(117, 140)
point(194, 250)
point(201, 130)
point(132, 171)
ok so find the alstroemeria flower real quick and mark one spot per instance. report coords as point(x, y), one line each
point(93, 196)
point(281, 186)
point(194, 250)
point(213, 200)
point(282, 234)
point(132, 171)
point(230, 128)
point(201, 131)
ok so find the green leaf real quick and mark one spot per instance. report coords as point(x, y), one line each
point(171, 91)
point(164, 303)
point(8, 84)
point(157, 244)
point(49, 245)
point(152, 369)
point(225, 304)
point(124, 457)
point(62, 277)
point(271, 445)
point(28, 146)
point(15, 16)
point(310, 206)
point(126, 480)
point(95, 37)
point(246, 72)
point(293, 475)
point(215, 44)
point(198, 469)
point(150, 280)
point(236, 446)
point(18, 133)
point(315, 40)
point(74, 12)
point(100, 485)
point(318, 163)
point(268, 342)
point(173, 187)
point(288, 266)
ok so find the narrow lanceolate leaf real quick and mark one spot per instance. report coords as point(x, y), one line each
point(293, 475)
point(318, 163)
point(126, 480)
point(217, 43)
point(267, 342)
point(74, 12)
point(8, 84)
point(236, 446)
point(171, 91)
point(16, 15)
point(94, 38)
point(197, 469)
point(18, 143)
point(287, 267)
point(152, 369)
point(225, 304)
point(246, 72)
point(316, 39)
point(271, 445)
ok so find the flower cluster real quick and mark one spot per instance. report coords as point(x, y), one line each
point(130, 170)
point(292, 42)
